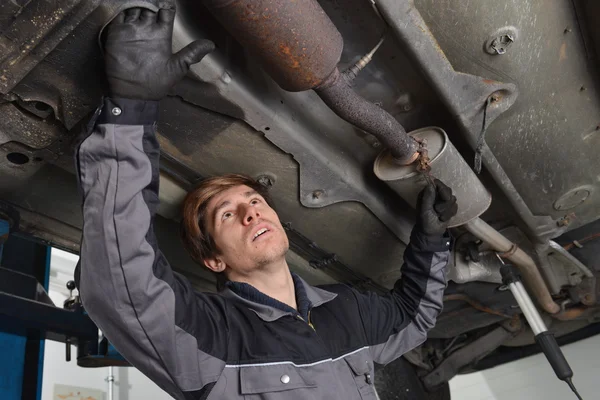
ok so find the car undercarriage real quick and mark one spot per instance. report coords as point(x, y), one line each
point(314, 99)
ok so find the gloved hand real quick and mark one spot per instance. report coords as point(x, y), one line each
point(138, 58)
point(435, 207)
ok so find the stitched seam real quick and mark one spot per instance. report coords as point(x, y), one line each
point(294, 364)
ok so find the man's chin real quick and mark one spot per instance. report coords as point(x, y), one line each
point(273, 257)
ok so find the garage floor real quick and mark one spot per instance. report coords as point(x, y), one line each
point(532, 378)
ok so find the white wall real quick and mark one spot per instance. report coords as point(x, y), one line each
point(532, 378)
point(130, 384)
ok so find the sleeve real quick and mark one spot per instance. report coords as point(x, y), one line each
point(399, 321)
point(152, 315)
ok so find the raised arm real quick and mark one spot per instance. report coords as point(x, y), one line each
point(399, 321)
point(175, 336)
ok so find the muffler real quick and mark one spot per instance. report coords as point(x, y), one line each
point(446, 164)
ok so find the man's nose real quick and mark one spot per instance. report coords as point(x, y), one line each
point(251, 214)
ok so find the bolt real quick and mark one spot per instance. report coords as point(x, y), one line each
point(317, 194)
point(567, 30)
point(500, 44)
point(564, 221)
point(581, 89)
point(266, 181)
point(404, 102)
point(226, 78)
point(496, 97)
point(498, 50)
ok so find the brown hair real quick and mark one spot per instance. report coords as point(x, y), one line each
point(194, 233)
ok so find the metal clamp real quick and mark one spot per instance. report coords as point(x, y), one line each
point(513, 249)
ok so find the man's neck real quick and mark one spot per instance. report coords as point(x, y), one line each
point(275, 281)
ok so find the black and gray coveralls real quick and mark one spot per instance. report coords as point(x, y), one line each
point(239, 343)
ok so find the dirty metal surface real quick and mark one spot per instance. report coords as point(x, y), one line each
point(295, 41)
point(216, 151)
point(547, 143)
point(446, 164)
point(27, 143)
point(319, 165)
point(465, 96)
point(39, 27)
point(69, 80)
point(472, 305)
point(466, 355)
point(18, 124)
point(334, 163)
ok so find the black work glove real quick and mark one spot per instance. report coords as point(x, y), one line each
point(435, 207)
point(138, 58)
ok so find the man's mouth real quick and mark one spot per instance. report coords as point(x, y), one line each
point(259, 233)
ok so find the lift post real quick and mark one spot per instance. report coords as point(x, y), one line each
point(28, 316)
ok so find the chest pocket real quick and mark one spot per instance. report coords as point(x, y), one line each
point(362, 368)
point(277, 382)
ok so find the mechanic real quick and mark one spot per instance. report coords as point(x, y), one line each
point(267, 334)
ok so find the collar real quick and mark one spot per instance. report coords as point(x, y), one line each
point(269, 309)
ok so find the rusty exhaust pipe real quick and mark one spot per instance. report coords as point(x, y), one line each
point(299, 47)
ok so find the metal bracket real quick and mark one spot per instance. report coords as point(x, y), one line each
point(465, 96)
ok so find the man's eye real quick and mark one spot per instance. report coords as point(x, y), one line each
point(255, 201)
point(227, 215)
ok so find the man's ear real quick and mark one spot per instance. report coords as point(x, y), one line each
point(215, 264)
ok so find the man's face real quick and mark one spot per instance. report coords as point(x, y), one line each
point(246, 231)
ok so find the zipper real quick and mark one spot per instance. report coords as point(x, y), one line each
point(308, 322)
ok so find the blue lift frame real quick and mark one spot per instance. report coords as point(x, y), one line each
point(23, 349)
point(28, 317)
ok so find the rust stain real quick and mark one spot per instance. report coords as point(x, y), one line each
point(292, 60)
point(168, 147)
point(562, 54)
point(295, 40)
point(571, 313)
point(474, 304)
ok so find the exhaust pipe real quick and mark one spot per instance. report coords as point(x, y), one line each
point(346, 103)
point(299, 47)
point(525, 264)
